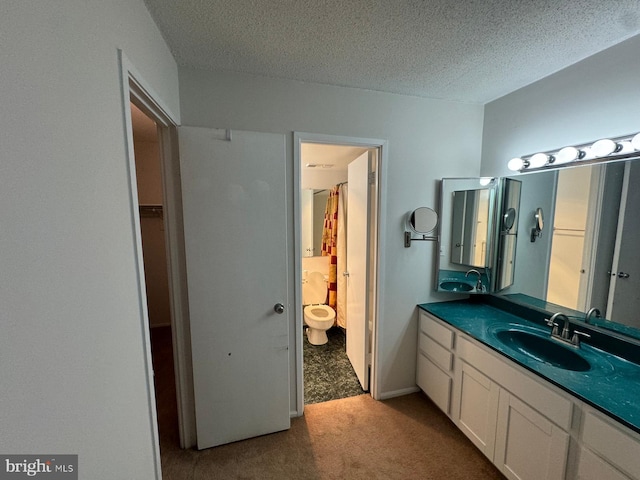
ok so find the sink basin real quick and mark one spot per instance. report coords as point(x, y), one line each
point(453, 286)
point(543, 349)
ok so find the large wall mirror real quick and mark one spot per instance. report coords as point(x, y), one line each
point(587, 255)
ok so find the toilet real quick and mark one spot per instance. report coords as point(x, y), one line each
point(318, 317)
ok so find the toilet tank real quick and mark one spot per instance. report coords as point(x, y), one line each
point(314, 290)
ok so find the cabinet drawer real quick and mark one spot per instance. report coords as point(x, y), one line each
point(436, 352)
point(435, 330)
point(434, 382)
point(621, 449)
point(592, 467)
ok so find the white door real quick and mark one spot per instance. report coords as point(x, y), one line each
point(357, 256)
point(235, 226)
point(624, 292)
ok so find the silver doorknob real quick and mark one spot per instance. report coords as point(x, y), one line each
point(623, 275)
point(278, 308)
point(345, 274)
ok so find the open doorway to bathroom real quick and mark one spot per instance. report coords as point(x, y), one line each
point(338, 218)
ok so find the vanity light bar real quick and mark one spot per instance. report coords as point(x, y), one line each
point(603, 150)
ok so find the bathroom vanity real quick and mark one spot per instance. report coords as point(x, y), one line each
point(571, 414)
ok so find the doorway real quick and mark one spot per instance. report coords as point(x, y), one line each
point(343, 174)
point(146, 146)
point(137, 92)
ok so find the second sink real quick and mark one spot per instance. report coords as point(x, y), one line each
point(454, 286)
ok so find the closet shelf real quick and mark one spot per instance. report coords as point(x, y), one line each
point(151, 210)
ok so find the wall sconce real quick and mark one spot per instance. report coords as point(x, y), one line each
point(536, 231)
point(604, 150)
point(422, 221)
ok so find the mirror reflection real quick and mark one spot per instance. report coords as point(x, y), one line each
point(423, 220)
point(470, 227)
point(588, 257)
point(467, 235)
point(313, 204)
point(505, 264)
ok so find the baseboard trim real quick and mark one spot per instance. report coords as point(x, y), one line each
point(398, 393)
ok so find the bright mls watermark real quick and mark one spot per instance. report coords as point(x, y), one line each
point(49, 467)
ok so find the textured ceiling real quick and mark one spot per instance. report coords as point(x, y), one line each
point(466, 50)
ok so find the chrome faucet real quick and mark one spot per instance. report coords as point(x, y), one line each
point(565, 336)
point(552, 323)
point(479, 286)
point(592, 311)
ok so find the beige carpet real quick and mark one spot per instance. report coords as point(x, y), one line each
point(351, 438)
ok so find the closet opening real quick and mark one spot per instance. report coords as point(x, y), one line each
point(148, 165)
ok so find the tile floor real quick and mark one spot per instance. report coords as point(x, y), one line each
point(328, 374)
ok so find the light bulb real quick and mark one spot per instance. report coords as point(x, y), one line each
point(567, 154)
point(635, 141)
point(625, 147)
point(538, 160)
point(516, 164)
point(604, 147)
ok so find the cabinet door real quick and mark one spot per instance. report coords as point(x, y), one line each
point(614, 443)
point(591, 467)
point(478, 407)
point(528, 446)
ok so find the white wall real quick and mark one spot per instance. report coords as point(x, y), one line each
point(71, 350)
point(428, 139)
point(595, 98)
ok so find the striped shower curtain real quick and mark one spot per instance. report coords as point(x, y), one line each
point(333, 246)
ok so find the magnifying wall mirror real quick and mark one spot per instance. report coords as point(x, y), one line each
point(508, 219)
point(422, 221)
point(536, 231)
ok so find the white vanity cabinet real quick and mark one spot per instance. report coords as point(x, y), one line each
point(435, 361)
point(484, 397)
point(608, 450)
point(516, 421)
point(529, 428)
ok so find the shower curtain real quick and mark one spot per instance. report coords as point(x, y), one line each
point(334, 246)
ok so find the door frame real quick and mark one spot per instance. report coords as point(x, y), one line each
point(135, 89)
point(381, 168)
point(615, 266)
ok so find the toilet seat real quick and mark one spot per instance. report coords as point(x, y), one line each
point(319, 313)
point(318, 317)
